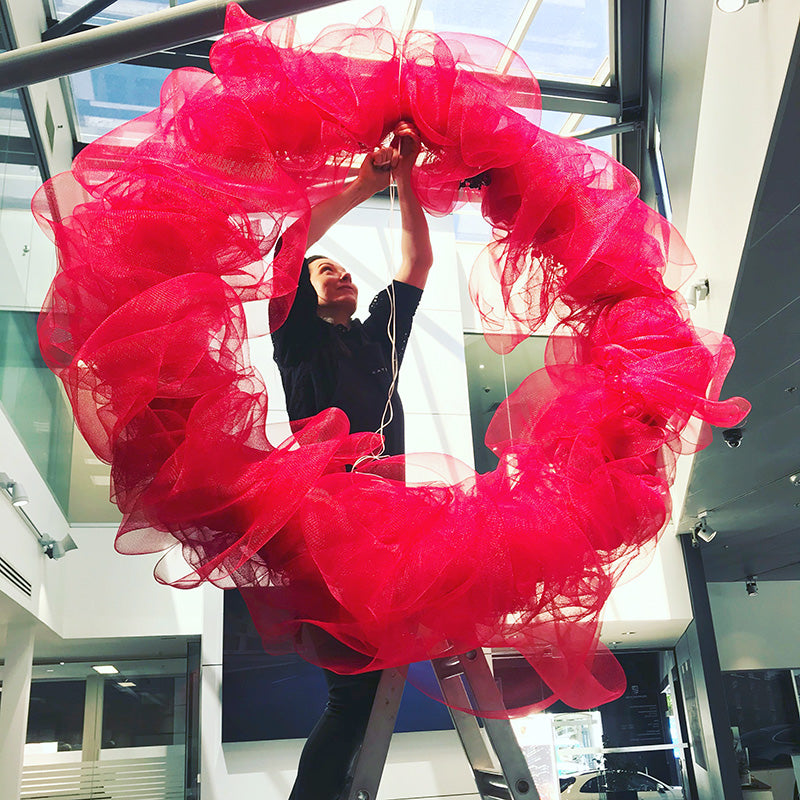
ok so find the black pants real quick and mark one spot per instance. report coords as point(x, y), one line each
point(336, 738)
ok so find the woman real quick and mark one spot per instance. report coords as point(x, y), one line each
point(328, 359)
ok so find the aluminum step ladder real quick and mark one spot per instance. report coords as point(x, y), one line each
point(461, 678)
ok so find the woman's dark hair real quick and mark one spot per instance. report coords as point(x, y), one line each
point(306, 295)
point(307, 264)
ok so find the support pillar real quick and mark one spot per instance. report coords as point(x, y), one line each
point(14, 703)
point(720, 737)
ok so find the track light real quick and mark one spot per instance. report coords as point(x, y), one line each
point(53, 549)
point(703, 531)
point(17, 491)
point(697, 291)
point(751, 585)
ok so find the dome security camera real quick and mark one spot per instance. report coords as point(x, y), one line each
point(732, 436)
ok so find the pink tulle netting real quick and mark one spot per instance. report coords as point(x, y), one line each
point(166, 226)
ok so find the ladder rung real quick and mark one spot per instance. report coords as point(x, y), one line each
point(491, 785)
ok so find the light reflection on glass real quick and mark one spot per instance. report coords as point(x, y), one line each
point(567, 39)
point(479, 17)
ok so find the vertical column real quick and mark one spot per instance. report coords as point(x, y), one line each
point(92, 733)
point(213, 769)
point(14, 703)
point(93, 718)
point(712, 672)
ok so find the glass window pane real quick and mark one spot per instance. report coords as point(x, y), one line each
point(480, 17)
point(18, 183)
point(12, 120)
point(32, 400)
point(108, 96)
point(567, 39)
point(56, 714)
point(121, 9)
point(151, 712)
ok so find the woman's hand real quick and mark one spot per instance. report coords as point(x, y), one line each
point(376, 170)
point(407, 143)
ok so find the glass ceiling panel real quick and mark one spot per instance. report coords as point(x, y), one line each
point(567, 40)
point(108, 96)
point(480, 17)
point(12, 120)
point(121, 9)
point(310, 23)
point(18, 184)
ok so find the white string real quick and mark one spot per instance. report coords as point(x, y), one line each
point(505, 386)
point(391, 325)
point(391, 332)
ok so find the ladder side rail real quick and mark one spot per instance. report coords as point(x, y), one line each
point(501, 734)
point(466, 725)
point(371, 759)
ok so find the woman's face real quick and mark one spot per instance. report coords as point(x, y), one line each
point(337, 295)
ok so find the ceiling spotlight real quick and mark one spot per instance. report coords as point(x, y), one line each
point(795, 479)
point(731, 6)
point(751, 585)
point(697, 291)
point(703, 531)
point(17, 491)
point(53, 549)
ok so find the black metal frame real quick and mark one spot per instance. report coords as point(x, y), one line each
point(629, 34)
point(76, 19)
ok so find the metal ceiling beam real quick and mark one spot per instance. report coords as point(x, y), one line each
point(75, 20)
point(523, 24)
point(608, 130)
point(128, 39)
point(580, 98)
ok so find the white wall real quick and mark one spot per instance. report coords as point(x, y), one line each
point(27, 260)
point(652, 601)
point(748, 56)
point(18, 544)
point(105, 594)
point(745, 67)
point(93, 591)
point(757, 632)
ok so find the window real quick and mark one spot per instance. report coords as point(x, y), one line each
point(150, 712)
point(55, 719)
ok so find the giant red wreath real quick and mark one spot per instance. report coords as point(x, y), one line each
point(168, 224)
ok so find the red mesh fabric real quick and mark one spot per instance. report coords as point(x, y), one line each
point(167, 225)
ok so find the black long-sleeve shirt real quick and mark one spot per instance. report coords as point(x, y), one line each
point(324, 365)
